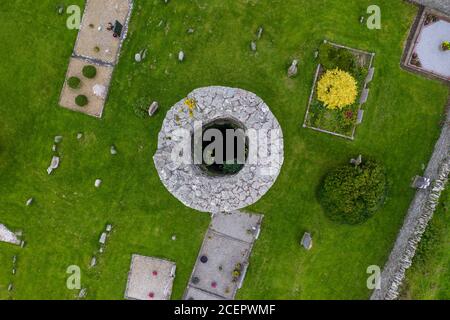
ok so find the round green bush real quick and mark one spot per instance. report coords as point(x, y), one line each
point(89, 71)
point(74, 82)
point(81, 100)
point(352, 194)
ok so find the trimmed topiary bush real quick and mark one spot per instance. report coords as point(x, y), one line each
point(352, 194)
point(337, 89)
point(74, 82)
point(89, 71)
point(81, 100)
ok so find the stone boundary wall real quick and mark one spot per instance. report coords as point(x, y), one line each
point(419, 214)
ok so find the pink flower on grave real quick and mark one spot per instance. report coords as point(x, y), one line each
point(155, 273)
point(214, 285)
point(151, 295)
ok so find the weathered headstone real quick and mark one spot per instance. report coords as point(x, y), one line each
point(260, 32)
point(83, 293)
point(153, 108)
point(360, 117)
point(364, 96)
point(102, 239)
point(253, 46)
point(307, 241)
point(370, 75)
point(29, 202)
point(293, 69)
point(98, 183)
point(357, 161)
point(113, 150)
point(53, 165)
point(58, 139)
point(181, 56)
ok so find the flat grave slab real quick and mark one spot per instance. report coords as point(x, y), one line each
point(223, 255)
point(150, 279)
point(94, 39)
point(96, 103)
point(239, 225)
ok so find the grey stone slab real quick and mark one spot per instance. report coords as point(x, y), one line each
point(239, 225)
point(197, 294)
point(364, 96)
point(223, 254)
point(360, 117)
point(150, 279)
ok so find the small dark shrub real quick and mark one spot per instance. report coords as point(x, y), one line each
point(81, 100)
point(74, 82)
point(351, 195)
point(89, 71)
point(331, 57)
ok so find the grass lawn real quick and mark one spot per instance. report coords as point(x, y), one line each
point(429, 277)
point(400, 128)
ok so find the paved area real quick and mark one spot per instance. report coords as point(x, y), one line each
point(428, 48)
point(150, 279)
point(224, 257)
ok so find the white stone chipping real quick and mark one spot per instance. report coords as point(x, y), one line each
point(207, 193)
point(428, 48)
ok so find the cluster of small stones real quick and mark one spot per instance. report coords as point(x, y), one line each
point(14, 271)
point(392, 291)
point(102, 241)
point(195, 188)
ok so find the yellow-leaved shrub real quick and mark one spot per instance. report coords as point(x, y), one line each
point(337, 89)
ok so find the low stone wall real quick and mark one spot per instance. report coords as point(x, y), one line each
point(419, 214)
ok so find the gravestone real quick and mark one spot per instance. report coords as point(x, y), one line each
point(259, 33)
point(307, 241)
point(181, 56)
point(293, 69)
point(360, 117)
point(153, 108)
point(364, 96)
point(102, 239)
point(370, 75)
point(53, 165)
point(98, 183)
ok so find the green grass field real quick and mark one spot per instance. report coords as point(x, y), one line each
point(400, 128)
